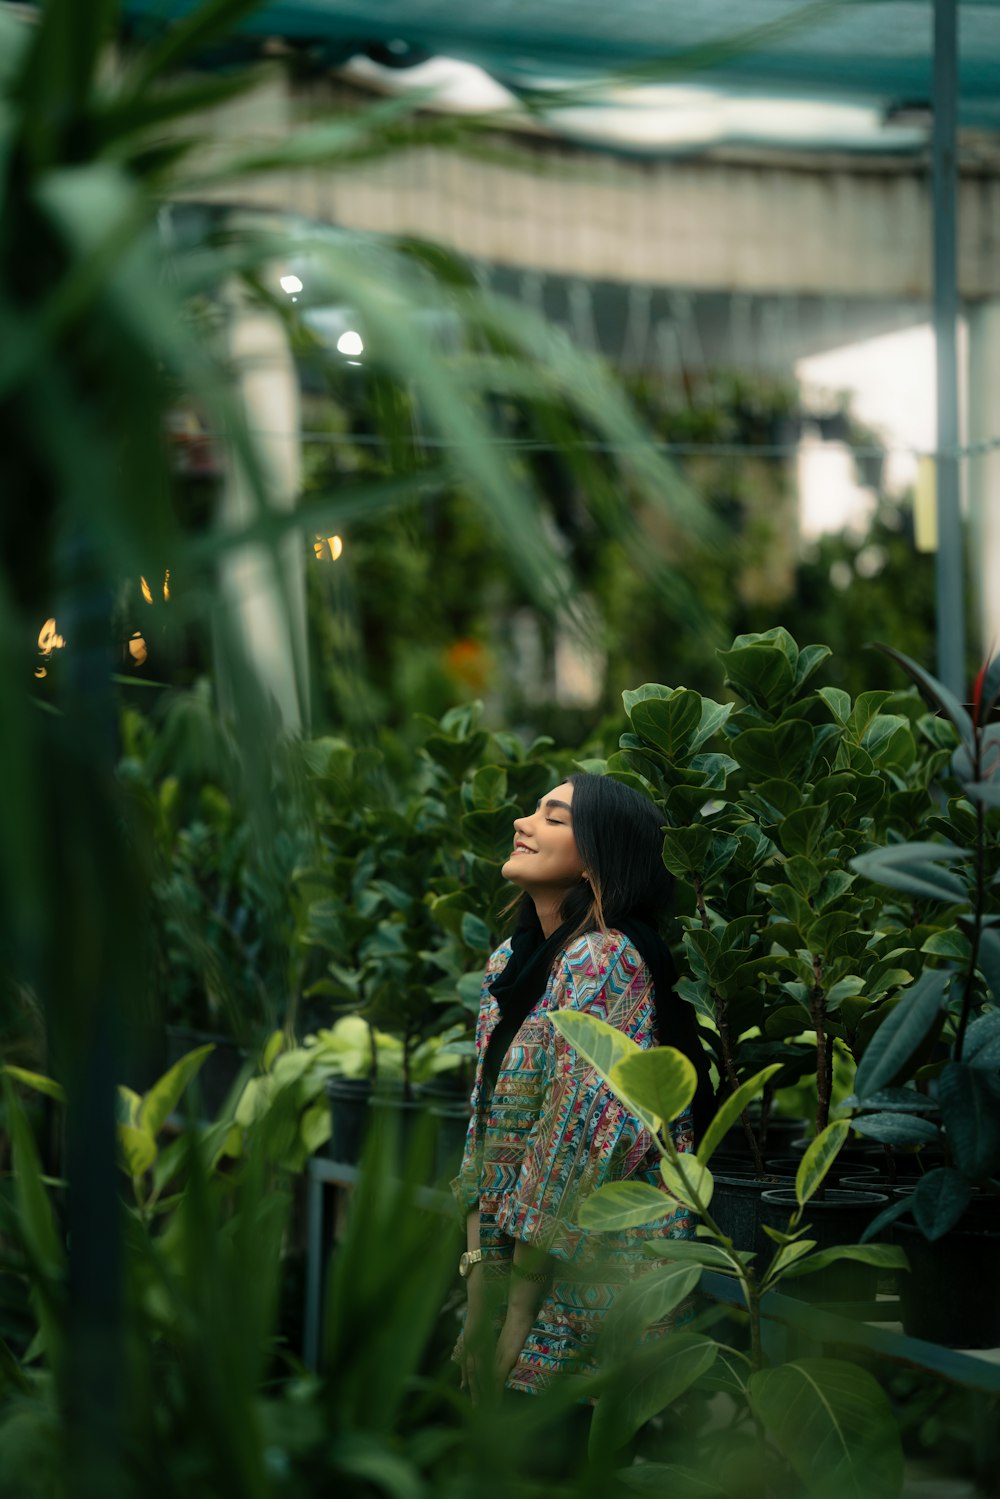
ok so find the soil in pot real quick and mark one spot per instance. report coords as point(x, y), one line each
point(838, 1217)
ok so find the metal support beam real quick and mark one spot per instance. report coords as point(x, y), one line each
point(950, 560)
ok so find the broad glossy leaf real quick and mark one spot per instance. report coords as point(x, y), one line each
point(604, 1047)
point(668, 724)
point(685, 850)
point(689, 1251)
point(901, 1033)
point(884, 1256)
point(623, 1205)
point(647, 692)
point(713, 717)
point(970, 1107)
point(940, 1199)
point(728, 1114)
point(162, 1098)
point(780, 750)
point(645, 1302)
point(661, 1082)
point(897, 1129)
point(819, 1157)
point(762, 674)
point(982, 1033)
point(648, 1385)
point(833, 1425)
point(688, 1180)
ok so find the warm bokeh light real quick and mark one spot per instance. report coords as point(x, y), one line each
point(166, 586)
point(328, 548)
point(147, 592)
point(137, 649)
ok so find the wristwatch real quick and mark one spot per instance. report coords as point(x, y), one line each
point(469, 1258)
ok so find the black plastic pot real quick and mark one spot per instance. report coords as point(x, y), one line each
point(949, 1296)
point(349, 1097)
point(736, 1208)
point(838, 1217)
point(788, 1166)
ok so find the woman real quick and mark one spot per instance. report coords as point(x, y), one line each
point(545, 1129)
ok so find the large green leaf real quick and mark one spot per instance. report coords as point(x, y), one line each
point(163, 1097)
point(970, 1106)
point(688, 1180)
point(819, 1157)
point(603, 1047)
point(834, 1427)
point(649, 1384)
point(940, 1199)
point(668, 724)
point(692, 1251)
point(901, 1033)
point(779, 751)
point(761, 674)
point(659, 1083)
point(645, 1302)
point(884, 1256)
point(623, 1205)
point(728, 1114)
point(896, 1129)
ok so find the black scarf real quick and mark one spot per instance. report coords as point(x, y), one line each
point(526, 974)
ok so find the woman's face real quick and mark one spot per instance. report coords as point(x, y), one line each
point(545, 856)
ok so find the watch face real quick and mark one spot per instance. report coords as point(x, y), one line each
point(463, 1264)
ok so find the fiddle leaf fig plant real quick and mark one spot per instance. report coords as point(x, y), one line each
point(765, 803)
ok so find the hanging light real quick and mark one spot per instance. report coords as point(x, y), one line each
point(350, 343)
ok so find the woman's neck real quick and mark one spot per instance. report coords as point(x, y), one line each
point(548, 913)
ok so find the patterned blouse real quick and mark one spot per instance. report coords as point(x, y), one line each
point(553, 1131)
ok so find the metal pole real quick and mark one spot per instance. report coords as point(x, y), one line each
point(949, 570)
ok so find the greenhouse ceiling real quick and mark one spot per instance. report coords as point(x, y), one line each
point(871, 53)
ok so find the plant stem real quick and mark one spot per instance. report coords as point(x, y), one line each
point(725, 1037)
point(817, 1009)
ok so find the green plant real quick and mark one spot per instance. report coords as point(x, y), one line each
point(902, 1094)
point(828, 1395)
point(765, 803)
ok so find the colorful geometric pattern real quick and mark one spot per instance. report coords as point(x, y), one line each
point(552, 1132)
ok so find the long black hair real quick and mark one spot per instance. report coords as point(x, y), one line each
point(619, 837)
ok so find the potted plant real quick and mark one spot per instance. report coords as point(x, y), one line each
point(930, 1078)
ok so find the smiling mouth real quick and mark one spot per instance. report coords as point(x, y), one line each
point(520, 848)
